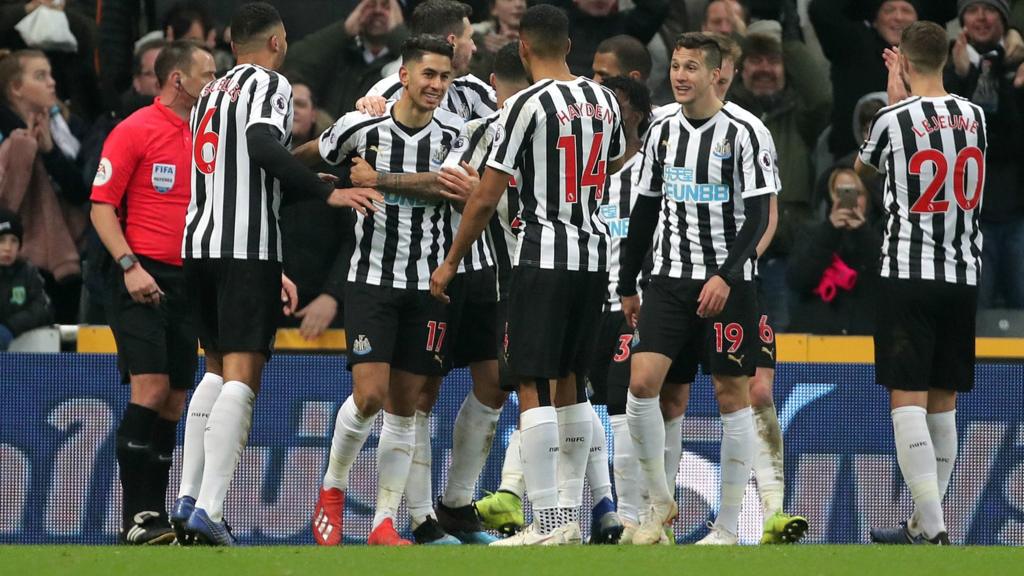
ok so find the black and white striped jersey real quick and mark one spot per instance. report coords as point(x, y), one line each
point(473, 147)
point(406, 239)
point(233, 212)
point(615, 215)
point(560, 136)
point(704, 172)
point(932, 151)
point(468, 97)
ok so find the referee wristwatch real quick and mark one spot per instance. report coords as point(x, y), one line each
point(127, 261)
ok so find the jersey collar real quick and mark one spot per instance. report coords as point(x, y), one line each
point(168, 113)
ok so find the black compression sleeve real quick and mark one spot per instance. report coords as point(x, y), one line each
point(266, 151)
point(643, 219)
point(755, 211)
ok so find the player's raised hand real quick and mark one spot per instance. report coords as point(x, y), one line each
point(372, 105)
point(289, 295)
point(359, 199)
point(440, 279)
point(896, 86)
point(631, 309)
point(460, 182)
point(712, 297)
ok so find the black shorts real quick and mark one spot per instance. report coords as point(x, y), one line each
point(608, 376)
point(553, 316)
point(154, 339)
point(236, 304)
point(924, 335)
point(405, 328)
point(472, 318)
point(766, 350)
point(725, 345)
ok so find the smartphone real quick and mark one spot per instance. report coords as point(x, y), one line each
point(847, 196)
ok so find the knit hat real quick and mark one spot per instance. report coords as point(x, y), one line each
point(10, 223)
point(915, 3)
point(1001, 5)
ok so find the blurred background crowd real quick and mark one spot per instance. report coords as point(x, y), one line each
point(811, 69)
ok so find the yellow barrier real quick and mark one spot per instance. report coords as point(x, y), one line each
point(791, 347)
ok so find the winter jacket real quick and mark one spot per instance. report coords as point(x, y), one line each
point(850, 312)
point(24, 304)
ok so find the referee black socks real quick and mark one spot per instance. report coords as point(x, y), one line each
point(158, 465)
point(133, 449)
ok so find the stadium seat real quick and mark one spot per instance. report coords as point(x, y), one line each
point(40, 340)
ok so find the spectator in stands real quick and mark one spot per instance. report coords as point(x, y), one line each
point(23, 301)
point(43, 184)
point(854, 50)
point(313, 239)
point(190, 21)
point(980, 68)
point(144, 83)
point(863, 114)
point(781, 83)
point(490, 35)
point(592, 21)
point(623, 56)
point(77, 83)
point(344, 60)
point(726, 17)
point(834, 266)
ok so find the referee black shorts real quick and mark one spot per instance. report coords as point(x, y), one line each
point(924, 335)
point(154, 339)
point(473, 318)
point(553, 317)
point(236, 304)
point(402, 327)
point(724, 345)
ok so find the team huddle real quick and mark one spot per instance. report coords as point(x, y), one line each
point(568, 244)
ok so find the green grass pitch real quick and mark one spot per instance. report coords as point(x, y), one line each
point(804, 560)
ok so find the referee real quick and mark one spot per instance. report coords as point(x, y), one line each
point(140, 195)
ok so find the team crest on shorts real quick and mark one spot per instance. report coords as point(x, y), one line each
point(361, 346)
point(18, 295)
point(163, 177)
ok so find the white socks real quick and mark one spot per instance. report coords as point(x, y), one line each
point(350, 431)
point(471, 443)
point(942, 429)
point(394, 459)
point(227, 430)
point(512, 468)
point(647, 428)
point(597, 462)
point(539, 444)
point(193, 454)
point(673, 451)
point(737, 455)
point(418, 493)
point(916, 456)
point(627, 472)
point(769, 466)
point(575, 431)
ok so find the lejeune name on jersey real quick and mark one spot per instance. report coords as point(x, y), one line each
point(473, 147)
point(405, 241)
point(615, 214)
point(468, 97)
point(234, 206)
point(704, 173)
point(933, 153)
point(560, 136)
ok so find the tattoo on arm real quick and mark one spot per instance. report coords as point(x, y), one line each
point(423, 186)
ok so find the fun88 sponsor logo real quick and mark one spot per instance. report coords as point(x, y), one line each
point(680, 185)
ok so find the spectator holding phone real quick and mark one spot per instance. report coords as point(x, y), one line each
point(834, 268)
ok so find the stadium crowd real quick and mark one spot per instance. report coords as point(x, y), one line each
point(94, 67)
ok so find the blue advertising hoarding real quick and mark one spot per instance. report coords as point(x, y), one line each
point(58, 477)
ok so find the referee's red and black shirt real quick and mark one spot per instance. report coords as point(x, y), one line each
point(145, 173)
